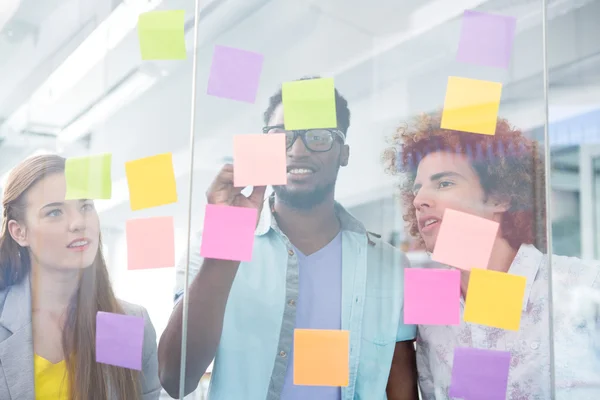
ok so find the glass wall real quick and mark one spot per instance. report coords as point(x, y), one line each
point(76, 83)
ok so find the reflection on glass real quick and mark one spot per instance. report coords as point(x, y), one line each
point(596, 189)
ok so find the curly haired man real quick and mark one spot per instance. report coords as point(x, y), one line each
point(500, 177)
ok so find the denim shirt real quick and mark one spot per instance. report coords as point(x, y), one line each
point(258, 328)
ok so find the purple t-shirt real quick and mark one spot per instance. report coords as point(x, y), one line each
point(319, 306)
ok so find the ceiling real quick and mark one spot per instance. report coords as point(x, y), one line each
point(391, 59)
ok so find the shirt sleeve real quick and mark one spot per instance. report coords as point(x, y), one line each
point(405, 331)
point(195, 263)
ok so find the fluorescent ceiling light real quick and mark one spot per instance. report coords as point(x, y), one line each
point(8, 8)
point(90, 52)
point(93, 49)
point(123, 94)
point(18, 120)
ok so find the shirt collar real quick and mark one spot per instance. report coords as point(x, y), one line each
point(267, 220)
point(527, 263)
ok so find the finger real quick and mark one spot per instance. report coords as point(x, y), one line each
point(227, 168)
point(225, 177)
point(236, 190)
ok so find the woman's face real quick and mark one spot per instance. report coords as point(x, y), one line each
point(60, 234)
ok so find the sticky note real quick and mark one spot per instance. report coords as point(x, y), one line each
point(259, 160)
point(88, 177)
point(151, 181)
point(228, 232)
point(479, 374)
point(471, 105)
point(495, 299)
point(486, 39)
point(309, 104)
point(321, 357)
point(431, 296)
point(119, 340)
point(235, 74)
point(464, 241)
point(161, 35)
point(150, 243)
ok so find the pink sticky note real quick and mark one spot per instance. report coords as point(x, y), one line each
point(228, 232)
point(259, 160)
point(464, 241)
point(150, 243)
point(431, 296)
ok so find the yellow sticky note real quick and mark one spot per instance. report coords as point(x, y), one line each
point(471, 105)
point(89, 177)
point(495, 299)
point(151, 181)
point(161, 35)
point(309, 104)
point(321, 357)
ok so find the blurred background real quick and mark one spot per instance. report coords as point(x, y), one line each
point(72, 81)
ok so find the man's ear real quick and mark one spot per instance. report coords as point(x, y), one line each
point(18, 232)
point(345, 155)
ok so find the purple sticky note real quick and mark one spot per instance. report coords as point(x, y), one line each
point(431, 296)
point(119, 340)
point(479, 374)
point(228, 232)
point(486, 39)
point(235, 74)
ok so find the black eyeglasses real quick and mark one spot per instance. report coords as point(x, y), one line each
point(317, 140)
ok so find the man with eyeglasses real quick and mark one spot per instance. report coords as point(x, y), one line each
point(314, 266)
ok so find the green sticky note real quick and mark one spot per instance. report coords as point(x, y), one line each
point(89, 177)
point(161, 35)
point(309, 104)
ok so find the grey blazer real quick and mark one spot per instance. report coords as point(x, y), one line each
point(16, 347)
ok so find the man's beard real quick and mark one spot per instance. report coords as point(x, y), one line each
point(303, 200)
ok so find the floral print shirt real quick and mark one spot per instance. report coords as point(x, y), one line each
point(576, 323)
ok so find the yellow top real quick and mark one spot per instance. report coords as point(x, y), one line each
point(51, 382)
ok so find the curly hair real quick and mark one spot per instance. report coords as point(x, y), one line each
point(508, 164)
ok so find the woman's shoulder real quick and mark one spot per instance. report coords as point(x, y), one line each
point(3, 293)
point(132, 309)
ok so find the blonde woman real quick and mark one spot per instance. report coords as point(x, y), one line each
point(53, 281)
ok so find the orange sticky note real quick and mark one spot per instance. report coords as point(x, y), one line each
point(495, 299)
point(150, 243)
point(321, 357)
point(259, 160)
point(464, 241)
point(151, 181)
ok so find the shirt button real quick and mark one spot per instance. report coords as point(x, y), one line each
point(292, 302)
point(291, 252)
point(282, 354)
point(535, 346)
